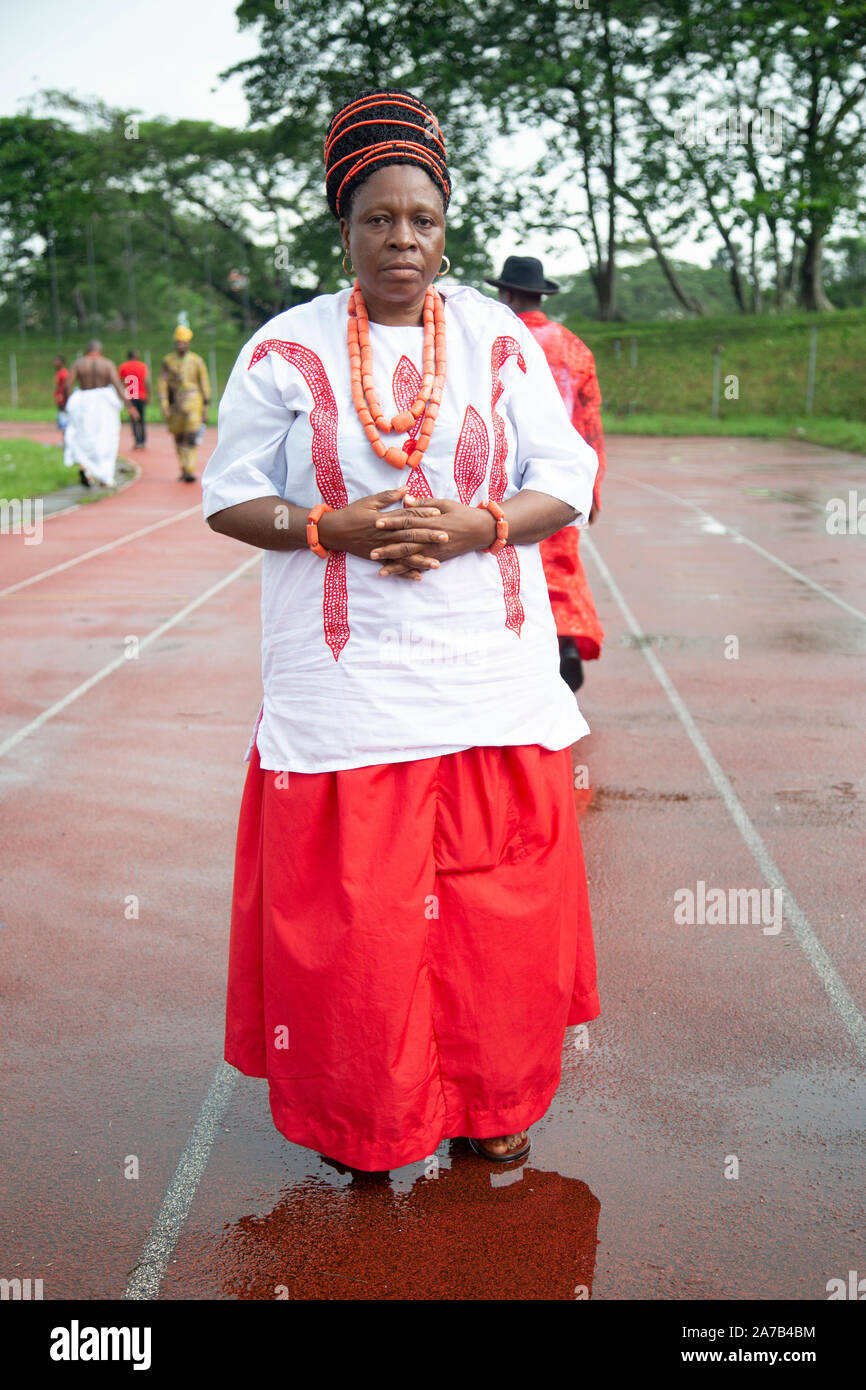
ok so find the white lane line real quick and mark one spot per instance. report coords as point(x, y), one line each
point(15, 739)
point(723, 527)
point(100, 549)
point(842, 1002)
point(150, 1268)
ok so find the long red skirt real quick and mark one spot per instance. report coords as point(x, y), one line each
point(408, 944)
point(570, 595)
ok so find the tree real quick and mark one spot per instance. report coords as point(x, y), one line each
point(88, 208)
point(312, 59)
point(805, 59)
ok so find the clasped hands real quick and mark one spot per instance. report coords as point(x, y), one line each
point(418, 537)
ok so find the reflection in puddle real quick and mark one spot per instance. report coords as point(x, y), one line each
point(449, 1227)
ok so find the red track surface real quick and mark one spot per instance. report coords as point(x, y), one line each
point(714, 1040)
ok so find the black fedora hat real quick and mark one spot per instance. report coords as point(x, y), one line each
point(523, 273)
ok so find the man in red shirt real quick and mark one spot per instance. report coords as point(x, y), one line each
point(61, 372)
point(521, 286)
point(134, 375)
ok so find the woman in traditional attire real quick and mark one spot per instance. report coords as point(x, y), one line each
point(410, 925)
point(184, 394)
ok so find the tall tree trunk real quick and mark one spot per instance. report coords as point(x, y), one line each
point(80, 308)
point(602, 282)
point(812, 295)
point(609, 307)
point(736, 276)
point(737, 282)
point(811, 284)
point(753, 268)
point(792, 273)
point(694, 306)
point(688, 301)
point(778, 265)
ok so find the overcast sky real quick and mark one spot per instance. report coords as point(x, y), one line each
point(163, 57)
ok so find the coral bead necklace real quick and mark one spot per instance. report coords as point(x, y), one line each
point(429, 397)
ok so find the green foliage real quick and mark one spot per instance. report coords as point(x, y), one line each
point(111, 220)
point(142, 219)
point(643, 293)
point(767, 355)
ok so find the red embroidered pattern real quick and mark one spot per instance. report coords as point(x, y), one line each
point(329, 478)
point(405, 385)
point(509, 565)
point(470, 458)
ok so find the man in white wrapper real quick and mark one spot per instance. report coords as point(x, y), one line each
point(92, 433)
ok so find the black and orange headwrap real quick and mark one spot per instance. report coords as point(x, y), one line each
point(376, 129)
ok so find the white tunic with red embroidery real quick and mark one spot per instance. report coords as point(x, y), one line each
point(359, 669)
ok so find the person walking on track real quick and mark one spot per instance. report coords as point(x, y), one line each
point(184, 395)
point(92, 435)
point(134, 375)
point(61, 372)
point(521, 285)
point(410, 929)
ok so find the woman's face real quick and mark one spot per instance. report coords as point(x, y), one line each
point(395, 236)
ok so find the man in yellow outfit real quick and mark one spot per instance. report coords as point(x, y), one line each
point(184, 394)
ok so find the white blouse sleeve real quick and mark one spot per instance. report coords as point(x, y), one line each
point(551, 456)
point(254, 418)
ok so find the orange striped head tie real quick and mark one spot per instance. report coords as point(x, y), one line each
point(376, 129)
point(410, 125)
point(374, 153)
point(428, 120)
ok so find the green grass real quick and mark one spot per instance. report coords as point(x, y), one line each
point(28, 469)
point(40, 414)
point(768, 354)
point(669, 390)
point(849, 435)
point(768, 357)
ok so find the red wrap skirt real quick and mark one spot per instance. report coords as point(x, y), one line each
point(408, 944)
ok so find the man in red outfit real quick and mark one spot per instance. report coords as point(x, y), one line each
point(134, 374)
point(61, 372)
point(521, 286)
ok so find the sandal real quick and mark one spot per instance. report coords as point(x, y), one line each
point(475, 1146)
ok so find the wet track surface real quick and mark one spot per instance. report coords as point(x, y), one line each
point(720, 1047)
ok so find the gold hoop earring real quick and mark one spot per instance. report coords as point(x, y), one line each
point(447, 267)
point(347, 269)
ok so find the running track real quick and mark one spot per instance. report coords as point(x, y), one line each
point(122, 780)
